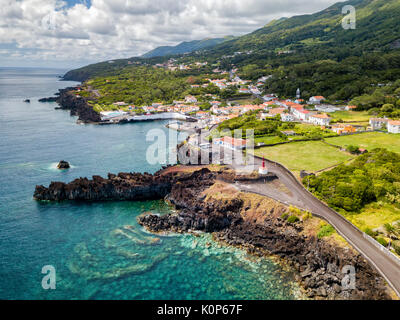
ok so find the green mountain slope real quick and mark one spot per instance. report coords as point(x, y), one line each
point(184, 47)
point(377, 26)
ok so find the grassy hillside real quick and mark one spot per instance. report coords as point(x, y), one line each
point(310, 155)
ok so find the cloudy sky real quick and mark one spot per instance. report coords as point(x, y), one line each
point(72, 33)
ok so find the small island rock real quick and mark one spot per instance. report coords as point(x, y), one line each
point(63, 165)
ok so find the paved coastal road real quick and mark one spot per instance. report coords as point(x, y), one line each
point(386, 265)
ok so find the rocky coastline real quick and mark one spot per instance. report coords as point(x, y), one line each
point(78, 105)
point(318, 264)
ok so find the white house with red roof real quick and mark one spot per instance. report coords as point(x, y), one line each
point(301, 114)
point(316, 99)
point(231, 143)
point(190, 99)
point(393, 126)
point(320, 119)
point(269, 97)
point(244, 90)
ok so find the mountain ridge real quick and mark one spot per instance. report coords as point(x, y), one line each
point(185, 47)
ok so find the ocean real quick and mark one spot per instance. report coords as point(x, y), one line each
point(97, 249)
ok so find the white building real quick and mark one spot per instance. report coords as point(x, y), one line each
point(255, 91)
point(378, 123)
point(190, 99)
point(316, 99)
point(269, 97)
point(231, 143)
point(108, 115)
point(393, 126)
point(244, 90)
point(287, 117)
point(320, 119)
point(301, 114)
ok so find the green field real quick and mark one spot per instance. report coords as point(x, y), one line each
point(242, 102)
point(369, 141)
point(268, 139)
point(310, 155)
point(375, 215)
point(354, 116)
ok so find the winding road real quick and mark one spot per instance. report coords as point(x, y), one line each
point(386, 264)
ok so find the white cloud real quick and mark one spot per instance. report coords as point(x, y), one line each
point(52, 32)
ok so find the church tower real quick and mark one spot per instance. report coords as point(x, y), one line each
point(298, 93)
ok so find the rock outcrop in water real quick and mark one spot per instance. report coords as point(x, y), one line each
point(78, 105)
point(121, 187)
point(50, 99)
point(319, 264)
point(62, 165)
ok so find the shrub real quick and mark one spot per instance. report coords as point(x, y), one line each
point(293, 219)
point(307, 215)
point(325, 231)
point(396, 249)
point(353, 149)
point(382, 241)
point(371, 233)
point(285, 216)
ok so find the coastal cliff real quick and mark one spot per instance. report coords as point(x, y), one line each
point(208, 201)
point(68, 100)
point(78, 106)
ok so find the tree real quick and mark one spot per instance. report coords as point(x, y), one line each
point(258, 101)
point(390, 230)
point(387, 108)
point(353, 149)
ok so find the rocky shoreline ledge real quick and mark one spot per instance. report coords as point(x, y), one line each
point(78, 105)
point(256, 225)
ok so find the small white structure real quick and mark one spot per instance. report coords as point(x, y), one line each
point(108, 115)
point(393, 126)
point(263, 170)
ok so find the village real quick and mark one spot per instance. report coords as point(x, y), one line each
point(313, 112)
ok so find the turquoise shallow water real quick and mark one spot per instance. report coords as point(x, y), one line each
point(98, 249)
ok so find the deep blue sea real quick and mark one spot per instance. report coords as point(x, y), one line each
point(98, 249)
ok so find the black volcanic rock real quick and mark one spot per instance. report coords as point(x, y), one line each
point(63, 165)
point(77, 105)
point(50, 99)
point(122, 187)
